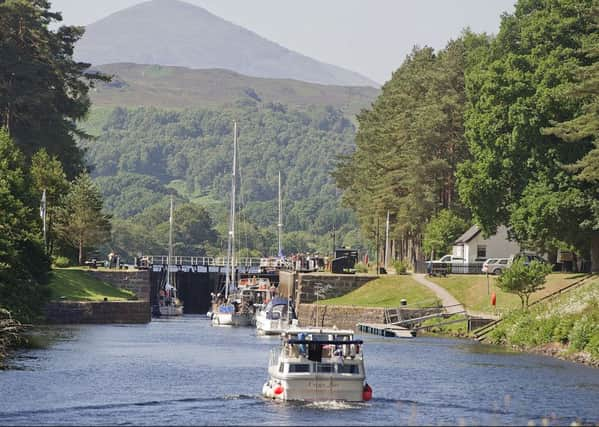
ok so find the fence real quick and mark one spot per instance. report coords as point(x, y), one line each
point(423, 267)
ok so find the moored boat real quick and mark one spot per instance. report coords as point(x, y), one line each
point(275, 317)
point(314, 364)
point(169, 303)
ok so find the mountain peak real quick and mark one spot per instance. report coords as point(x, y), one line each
point(177, 33)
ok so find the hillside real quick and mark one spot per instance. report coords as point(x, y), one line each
point(178, 87)
point(141, 155)
point(566, 326)
point(172, 32)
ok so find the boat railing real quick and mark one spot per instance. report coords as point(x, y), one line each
point(274, 356)
point(348, 349)
point(204, 261)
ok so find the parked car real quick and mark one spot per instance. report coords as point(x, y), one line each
point(485, 267)
point(497, 267)
point(528, 258)
point(451, 259)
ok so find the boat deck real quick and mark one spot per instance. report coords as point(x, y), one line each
point(385, 330)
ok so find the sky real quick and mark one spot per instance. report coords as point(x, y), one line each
point(371, 37)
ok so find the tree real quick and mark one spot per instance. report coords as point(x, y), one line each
point(523, 280)
point(23, 263)
point(442, 230)
point(48, 175)
point(43, 91)
point(409, 144)
point(520, 87)
point(80, 221)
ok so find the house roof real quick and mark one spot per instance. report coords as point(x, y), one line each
point(470, 234)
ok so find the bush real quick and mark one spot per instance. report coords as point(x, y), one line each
point(361, 268)
point(581, 333)
point(61, 261)
point(562, 329)
point(401, 267)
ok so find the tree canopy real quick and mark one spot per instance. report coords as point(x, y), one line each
point(521, 86)
point(43, 91)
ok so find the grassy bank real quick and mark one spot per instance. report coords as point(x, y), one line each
point(471, 291)
point(566, 326)
point(387, 291)
point(77, 285)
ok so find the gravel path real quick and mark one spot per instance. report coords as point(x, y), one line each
point(452, 305)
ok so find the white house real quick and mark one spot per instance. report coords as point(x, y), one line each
point(472, 245)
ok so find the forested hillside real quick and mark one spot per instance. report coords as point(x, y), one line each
point(142, 155)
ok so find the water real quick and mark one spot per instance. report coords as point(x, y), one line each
point(184, 371)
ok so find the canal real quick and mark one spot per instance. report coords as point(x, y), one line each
point(184, 371)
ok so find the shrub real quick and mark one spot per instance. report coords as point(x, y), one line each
point(61, 261)
point(361, 268)
point(581, 333)
point(562, 329)
point(401, 267)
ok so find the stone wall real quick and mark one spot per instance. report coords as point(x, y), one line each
point(137, 282)
point(330, 285)
point(61, 312)
point(342, 316)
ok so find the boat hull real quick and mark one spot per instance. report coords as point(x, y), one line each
point(312, 388)
point(231, 319)
point(266, 326)
point(171, 310)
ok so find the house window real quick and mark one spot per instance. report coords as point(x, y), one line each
point(481, 251)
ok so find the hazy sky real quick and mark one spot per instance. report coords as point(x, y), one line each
point(371, 37)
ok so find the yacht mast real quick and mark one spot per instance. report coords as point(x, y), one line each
point(280, 223)
point(231, 242)
point(170, 244)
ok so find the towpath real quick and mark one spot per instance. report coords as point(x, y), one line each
point(452, 305)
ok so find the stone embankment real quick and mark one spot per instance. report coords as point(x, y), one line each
point(138, 282)
point(306, 288)
point(63, 312)
point(347, 317)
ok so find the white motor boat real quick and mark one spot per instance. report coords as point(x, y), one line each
point(275, 317)
point(314, 364)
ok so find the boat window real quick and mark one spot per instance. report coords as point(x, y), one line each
point(325, 367)
point(299, 367)
point(281, 368)
point(319, 337)
point(348, 369)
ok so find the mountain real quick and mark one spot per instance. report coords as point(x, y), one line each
point(177, 87)
point(172, 32)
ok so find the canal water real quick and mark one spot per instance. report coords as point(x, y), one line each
point(184, 371)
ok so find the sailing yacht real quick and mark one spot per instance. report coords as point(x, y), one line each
point(168, 299)
point(231, 309)
point(276, 316)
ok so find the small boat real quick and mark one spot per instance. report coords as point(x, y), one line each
point(230, 310)
point(275, 317)
point(168, 299)
point(314, 364)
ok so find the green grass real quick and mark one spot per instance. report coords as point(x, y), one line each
point(568, 322)
point(471, 291)
point(76, 285)
point(458, 329)
point(387, 292)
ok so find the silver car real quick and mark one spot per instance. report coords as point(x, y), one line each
point(496, 267)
